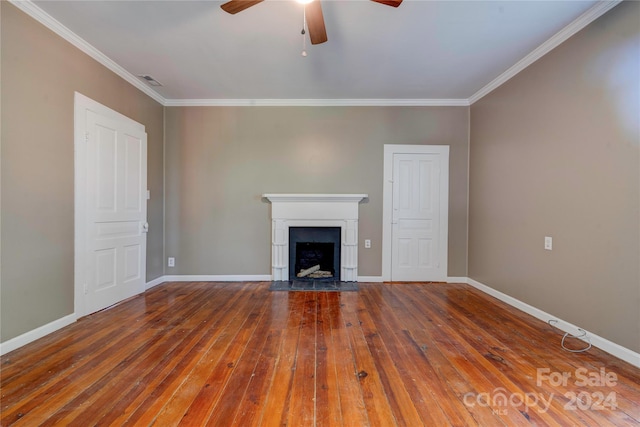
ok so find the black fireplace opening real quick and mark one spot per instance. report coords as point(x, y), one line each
point(314, 253)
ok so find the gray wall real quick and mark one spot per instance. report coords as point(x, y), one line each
point(40, 72)
point(555, 152)
point(220, 160)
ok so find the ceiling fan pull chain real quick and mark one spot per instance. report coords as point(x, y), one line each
point(303, 32)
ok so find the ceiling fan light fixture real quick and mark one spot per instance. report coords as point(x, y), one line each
point(313, 10)
point(303, 32)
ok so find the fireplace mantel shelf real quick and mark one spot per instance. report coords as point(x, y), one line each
point(351, 198)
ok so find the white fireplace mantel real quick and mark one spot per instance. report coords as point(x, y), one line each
point(314, 210)
point(300, 198)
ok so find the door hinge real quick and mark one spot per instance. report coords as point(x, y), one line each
point(86, 290)
point(86, 137)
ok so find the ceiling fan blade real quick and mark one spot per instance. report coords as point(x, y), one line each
point(315, 22)
point(235, 6)
point(394, 3)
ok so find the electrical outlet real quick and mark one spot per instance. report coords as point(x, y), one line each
point(367, 244)
point(548, 243)
point(171, 262)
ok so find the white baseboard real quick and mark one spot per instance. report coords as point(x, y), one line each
point(370, 279)
point(380, 279)
point(35, 334)
point(233, 278)
point(154, 282)
point(597, 341)
point(258, 278)
point(217, 278)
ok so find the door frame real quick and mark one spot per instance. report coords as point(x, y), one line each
point(82, 104)
point(387, 202)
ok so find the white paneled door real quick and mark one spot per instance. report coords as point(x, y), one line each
point(115, 209)
point(418, 229)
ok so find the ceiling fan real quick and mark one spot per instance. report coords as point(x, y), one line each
point(313, 12)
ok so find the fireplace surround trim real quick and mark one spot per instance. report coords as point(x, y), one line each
point(314, 210)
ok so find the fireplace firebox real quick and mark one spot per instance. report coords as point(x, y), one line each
point(314, 253)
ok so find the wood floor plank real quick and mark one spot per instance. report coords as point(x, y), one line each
point(204, 386)
point(251, 407)
point(519, 385)
point(471, 378)
point(486, 378)
point(59, 400)
point(387, 360)
point(197, 331)
point(63, 351)
point(224, 412)
point(127, 374)
point(17, 386)
point(376, 401)
point(88, 399)
point(175, 393)
point(406, 357)
point(393, 313)
point(236, 354)
point(493, 346)
point(498, 341)
point(352, 407)
point(302, 408)
point(160, 397)
point(328, 409)
point(278, 400)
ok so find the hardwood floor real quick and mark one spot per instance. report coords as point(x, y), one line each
point(226, 354)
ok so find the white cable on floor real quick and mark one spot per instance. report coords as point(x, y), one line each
point(583, 336)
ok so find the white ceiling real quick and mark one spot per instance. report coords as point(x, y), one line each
point(423, 50)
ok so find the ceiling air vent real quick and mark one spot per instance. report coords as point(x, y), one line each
point(150, 80)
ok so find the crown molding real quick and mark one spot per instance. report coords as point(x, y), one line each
point(317, 102)
point(561, 36)
point(30, 8)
